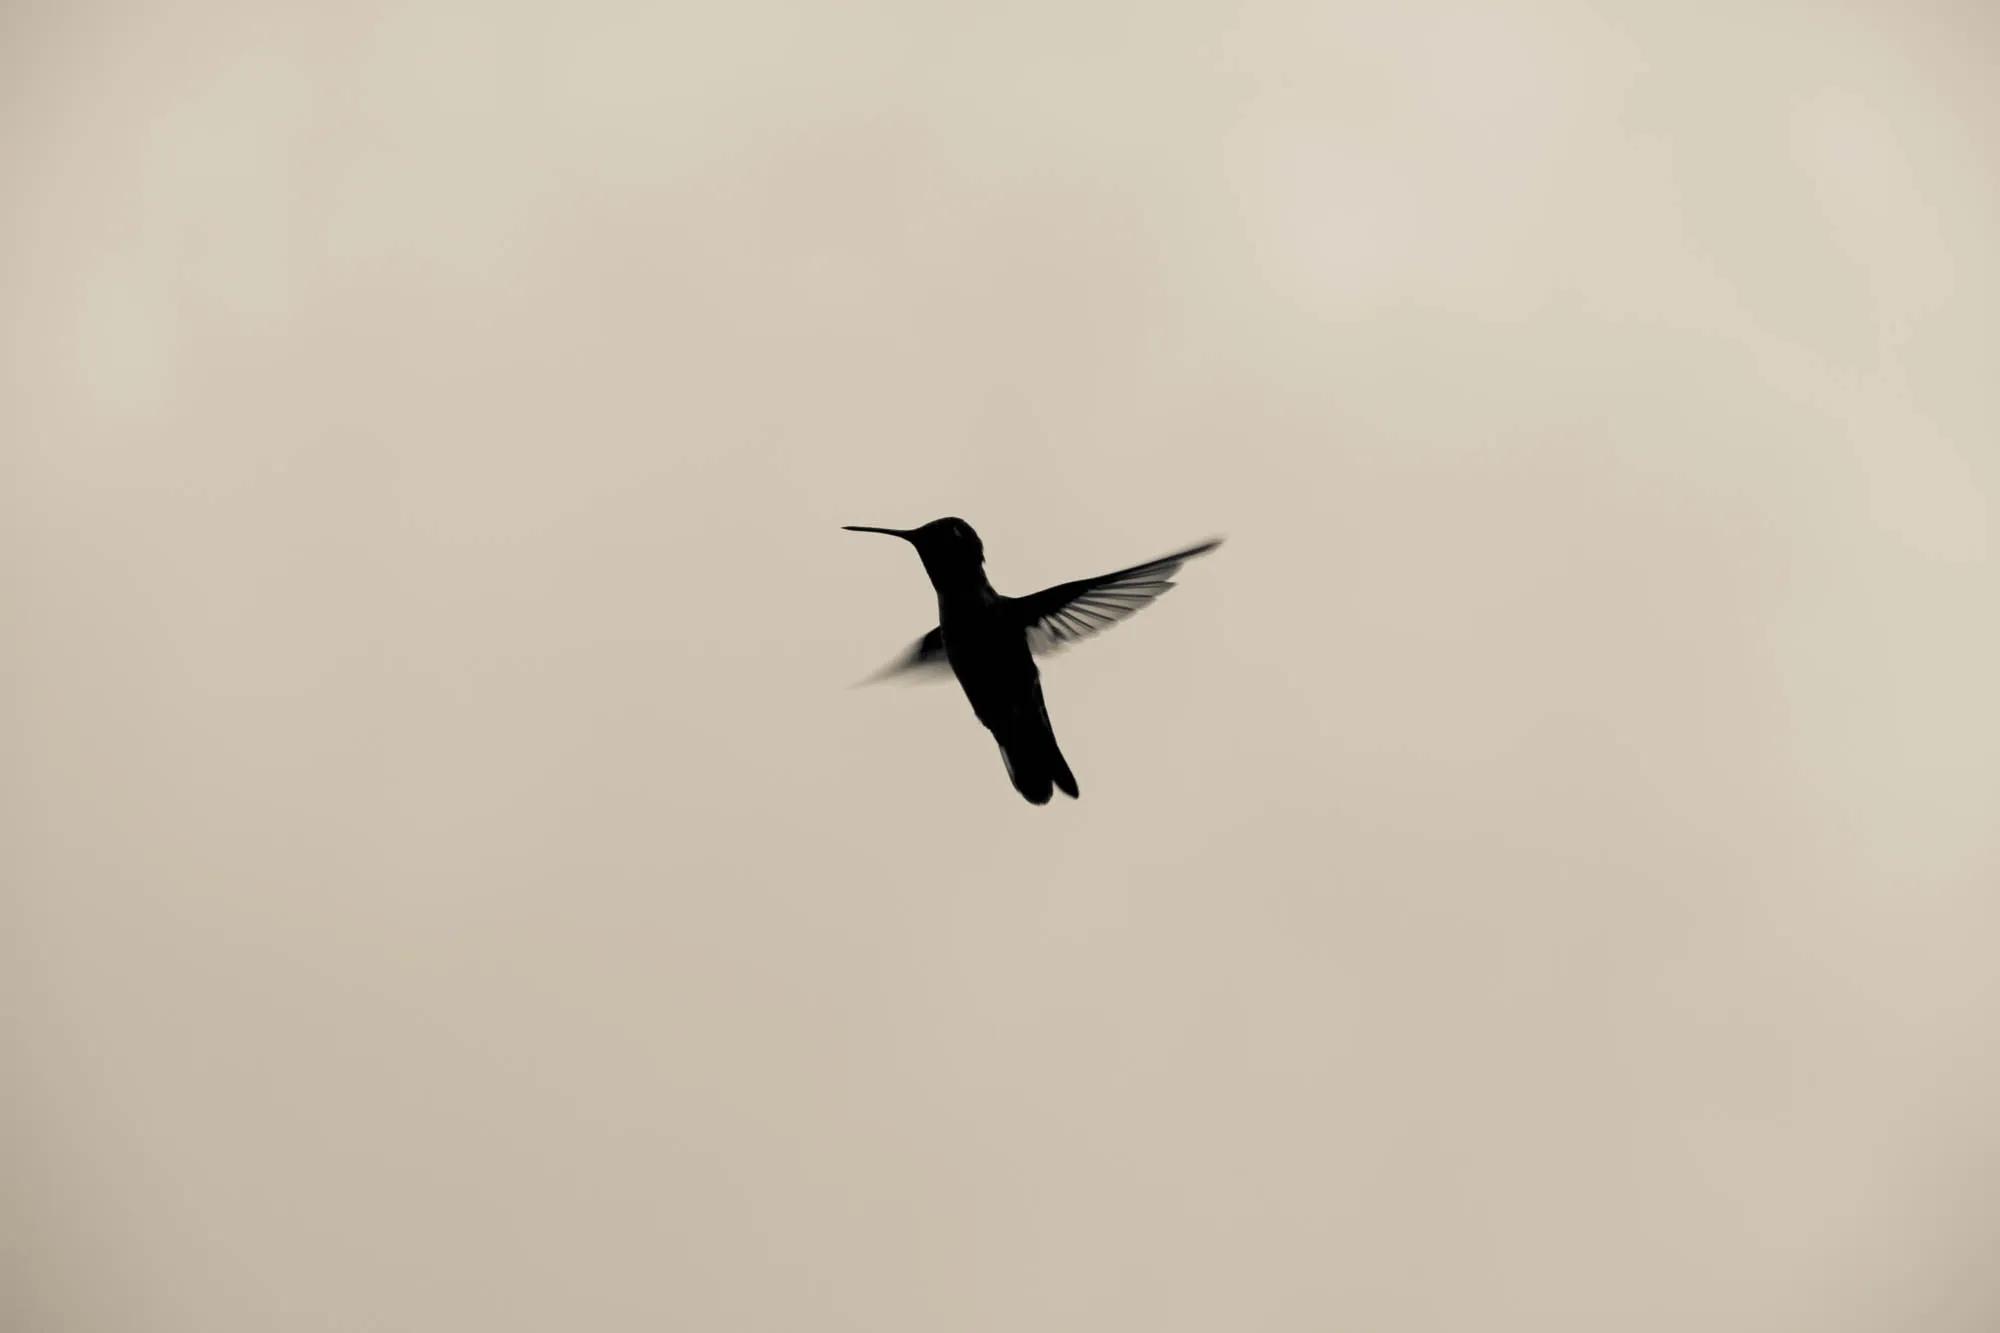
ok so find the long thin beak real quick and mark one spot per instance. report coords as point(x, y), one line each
point(887, 532)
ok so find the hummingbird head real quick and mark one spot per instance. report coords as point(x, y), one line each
point(949, 547)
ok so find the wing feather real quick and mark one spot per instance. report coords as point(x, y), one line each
point(1056, 617)
point(925, 660)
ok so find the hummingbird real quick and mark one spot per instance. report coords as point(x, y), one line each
point(990, 642)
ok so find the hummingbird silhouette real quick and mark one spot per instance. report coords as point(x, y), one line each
point(990, 642)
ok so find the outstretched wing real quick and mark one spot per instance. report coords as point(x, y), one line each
point(1059, 616)
point(924, 660)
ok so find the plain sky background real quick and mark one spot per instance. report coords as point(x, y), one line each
point(1540, 875)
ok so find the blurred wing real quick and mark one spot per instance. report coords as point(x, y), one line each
point(924, 661)
point(1059, 616)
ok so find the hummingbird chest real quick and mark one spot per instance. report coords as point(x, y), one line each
point(982, 640)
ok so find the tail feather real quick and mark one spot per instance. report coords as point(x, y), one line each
point(1034, 762)
point(1059, 768)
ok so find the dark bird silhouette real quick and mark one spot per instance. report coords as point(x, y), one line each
point(990, 642)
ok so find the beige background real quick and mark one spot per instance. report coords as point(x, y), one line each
point(1540, 875)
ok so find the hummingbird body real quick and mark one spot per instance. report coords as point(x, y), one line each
point(988, 652)
point(989, 641)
